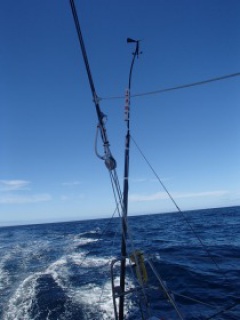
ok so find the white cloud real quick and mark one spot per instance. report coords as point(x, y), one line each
point(217, 193)
point(13, 185)
point(73, 197)
point(144, 180)
point(149, 197)
point(17, 192)
point(71, 183)
point(163, 195)
point(24, 199)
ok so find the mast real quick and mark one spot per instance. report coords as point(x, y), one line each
point(125, 183)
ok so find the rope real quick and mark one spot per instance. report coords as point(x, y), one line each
point(224, 310)
point(177, 207)
point(193, 231)
point(183, 86)
point(82, 45)
point(193, 299)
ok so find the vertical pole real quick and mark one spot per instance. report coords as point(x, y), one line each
point(125, 186)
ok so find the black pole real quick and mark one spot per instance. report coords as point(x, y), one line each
point(125, 188)
point(110, 162)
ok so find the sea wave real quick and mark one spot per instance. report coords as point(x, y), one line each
point(62, 271)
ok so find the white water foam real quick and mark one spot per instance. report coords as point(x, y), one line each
point(4, 275)
point(19, 305)
point(83, 241)
point(97, 300)
point(21, 302)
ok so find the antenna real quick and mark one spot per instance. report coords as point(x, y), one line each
point(125, 187)
point(130, 40)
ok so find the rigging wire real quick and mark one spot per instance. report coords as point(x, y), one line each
point(194, 300)
point(228, 308)
point(183, 86)
point(107, 157)
point(176, 205)
point(223, 311)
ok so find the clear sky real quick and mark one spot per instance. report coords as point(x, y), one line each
point(48, 168)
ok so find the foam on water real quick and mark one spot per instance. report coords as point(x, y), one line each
point(50, 273)
point(4, 273)
point(95, 299)
point(83, 241)
point(20, 304)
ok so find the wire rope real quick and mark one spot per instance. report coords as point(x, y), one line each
point(183, 86)
point(228, 308)
point(176, 205)
point(191, 227)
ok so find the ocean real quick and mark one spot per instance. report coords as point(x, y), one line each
point(62, 270)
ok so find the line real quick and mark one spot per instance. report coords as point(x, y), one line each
point(184, 86)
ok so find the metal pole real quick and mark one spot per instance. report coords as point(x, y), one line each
point(125, 187)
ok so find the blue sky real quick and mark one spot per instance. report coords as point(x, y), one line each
point(48, 169)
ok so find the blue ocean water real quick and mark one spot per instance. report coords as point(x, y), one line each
point(62, 270)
